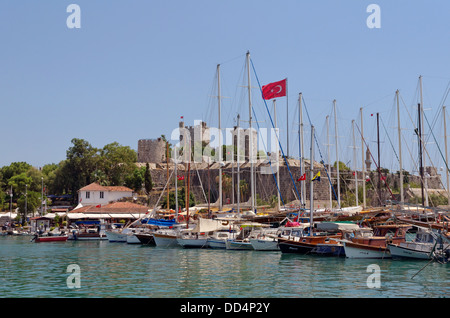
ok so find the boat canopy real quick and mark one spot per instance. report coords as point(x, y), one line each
point(337, 226)
point(209, 225)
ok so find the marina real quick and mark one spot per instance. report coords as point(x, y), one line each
point(142, 271)
point(158, 151)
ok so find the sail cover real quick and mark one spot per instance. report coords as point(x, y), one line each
point(209, 225)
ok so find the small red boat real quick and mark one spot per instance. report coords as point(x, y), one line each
point(39, 239)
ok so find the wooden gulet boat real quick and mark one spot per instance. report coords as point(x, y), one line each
point(376, 246)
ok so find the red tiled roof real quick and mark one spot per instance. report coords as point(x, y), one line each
point(116, 207)
point(96, 187)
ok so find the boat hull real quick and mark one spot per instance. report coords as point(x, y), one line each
point(51, 239)
point(238, 245)
point(165, 240)
point(355, 250)
point(133, 239)
point(309, 244)
point(217, 244)
point(265, 245)
point(193, 243)
point(146, 239)
point(116, 237)
point(398, 251)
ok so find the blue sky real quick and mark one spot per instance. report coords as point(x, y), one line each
point(134, 67)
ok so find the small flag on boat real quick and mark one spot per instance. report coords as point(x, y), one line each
point(275, 89)
point(303, 177)
point(316, 177)
point(180, 178)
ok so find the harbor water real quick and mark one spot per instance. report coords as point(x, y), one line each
point(107, 270)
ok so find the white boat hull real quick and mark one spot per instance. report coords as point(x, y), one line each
point(193, 243)
point(219, 244)
point(238, 245)
point(360, 252)
point(265, 245)
point(116, 236)
point(164, 240)
point(398, 251)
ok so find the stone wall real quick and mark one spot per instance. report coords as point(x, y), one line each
point(266, 185)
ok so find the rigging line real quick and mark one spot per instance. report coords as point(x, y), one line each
point(439, 148)
point(270, 162)
point(387, 134)
point(201, 185)
point(378, 168)
point(321, 157)
point(279, 143)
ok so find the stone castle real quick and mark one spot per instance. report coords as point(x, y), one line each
point(204, 176)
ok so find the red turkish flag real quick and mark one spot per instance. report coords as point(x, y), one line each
point(275, 89)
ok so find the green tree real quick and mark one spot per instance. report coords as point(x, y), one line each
point(82, 160)
point(117, 162)
point(33, 201)
point(135, 180)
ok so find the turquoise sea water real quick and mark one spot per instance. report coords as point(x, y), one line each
point(133, 271)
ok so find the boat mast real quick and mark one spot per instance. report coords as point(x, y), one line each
point(220, 139)
point(176, 183)
point(400, 149)
point(446, 153)
point(311, 176)
point(329, 159)
point(425, 180)
point(168, 186)
point(337, 156)
point(187, 195)
point(420, 154)
point(379, 167)
point(302, 152)
point(277, 156)
point(362, 160)
point(354, 164)
point(238, 169)
point(250, 152)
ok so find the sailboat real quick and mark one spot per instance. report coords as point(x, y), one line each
point(308, 239)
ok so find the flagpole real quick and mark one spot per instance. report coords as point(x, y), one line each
point(311, 192)
point(287, 119)
point(277, 154)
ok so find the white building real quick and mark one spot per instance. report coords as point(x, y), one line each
point(95, 194)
